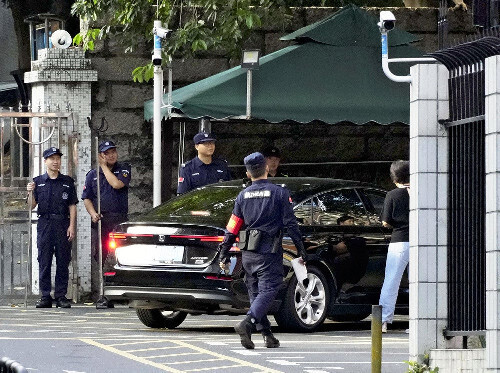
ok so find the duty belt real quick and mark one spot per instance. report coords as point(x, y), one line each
point(54, 216)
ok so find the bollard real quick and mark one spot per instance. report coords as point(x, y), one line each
point(11, 366)
point(376, 339)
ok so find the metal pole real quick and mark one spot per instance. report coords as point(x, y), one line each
point(249, 93)
point(376, 339)
point(99, 224)
point(30, 213)
point(158, 92)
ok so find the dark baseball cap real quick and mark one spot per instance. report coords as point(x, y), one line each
point(254, 161)
point(203, 137)
point(50, 152)
point(271, 151)
point(105, 145)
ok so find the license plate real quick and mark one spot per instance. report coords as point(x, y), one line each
point(168, 254)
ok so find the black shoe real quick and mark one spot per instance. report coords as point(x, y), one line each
point(103, 303)
point(270, 341)
point(44, 302)
point(244, 329)
point(62, 302)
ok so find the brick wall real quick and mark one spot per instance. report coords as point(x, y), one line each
point(120, 101)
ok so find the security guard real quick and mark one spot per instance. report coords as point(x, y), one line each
point(264, 209)
point(114, 179)
point(55, 195)
point(273, 158)
point(203, 169)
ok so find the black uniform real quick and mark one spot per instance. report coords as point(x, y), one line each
point(267, 208)
point(114, 203)
point(195, 174)
point(54, 196)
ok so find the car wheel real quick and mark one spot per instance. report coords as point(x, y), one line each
point(157, 318)
point(304, 308)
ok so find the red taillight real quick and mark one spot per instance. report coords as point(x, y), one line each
point(219, 278)
point(109, 273)
point(112, 244)
point(202, 238)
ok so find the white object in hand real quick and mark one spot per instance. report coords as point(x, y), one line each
point(300, 269)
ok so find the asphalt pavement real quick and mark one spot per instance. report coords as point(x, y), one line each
point(83, 340)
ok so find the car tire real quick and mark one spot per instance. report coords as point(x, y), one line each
point(157, 318)
point(294, 315)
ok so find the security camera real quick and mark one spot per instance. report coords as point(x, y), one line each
point(387, 21)
point(162, 32)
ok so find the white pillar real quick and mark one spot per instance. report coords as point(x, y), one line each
point(492, 166)
point(58, 77)
point(428, 208)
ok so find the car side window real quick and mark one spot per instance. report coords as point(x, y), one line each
point(374, 200)
point(303, 212)
point(330, 206)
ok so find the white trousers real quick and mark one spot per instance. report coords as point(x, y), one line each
point(398, 256)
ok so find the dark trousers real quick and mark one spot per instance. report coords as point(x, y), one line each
point(108, 222)
point(52, 239)
point(264, 278)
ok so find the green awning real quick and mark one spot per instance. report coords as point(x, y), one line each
point(333, 74)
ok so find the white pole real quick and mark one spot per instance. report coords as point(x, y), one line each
point(158, 93)
point(249, 93)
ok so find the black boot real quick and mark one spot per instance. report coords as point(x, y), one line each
point(270, 341)
point(63, 302)
point(44, 302)
point(104, 303)
point(244, 329)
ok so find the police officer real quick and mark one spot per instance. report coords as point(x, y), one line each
point(264, 209)
point(114, 179)
point(203, 169)
point(55, 195)
point(273, 158)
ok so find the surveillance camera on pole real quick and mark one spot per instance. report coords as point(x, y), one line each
point(159, 33)
point(386, 24)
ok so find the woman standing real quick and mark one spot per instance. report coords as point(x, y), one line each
point(395, 215)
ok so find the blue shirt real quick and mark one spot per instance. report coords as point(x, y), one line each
point(112, 200)
point(195, 174)
point(54, 196)
point(267, 207)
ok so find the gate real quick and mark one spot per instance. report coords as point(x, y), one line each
point(466, 183)
point(23, 137)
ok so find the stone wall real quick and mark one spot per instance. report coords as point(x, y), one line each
point(120, 101)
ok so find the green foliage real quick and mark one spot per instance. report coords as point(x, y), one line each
point(87, 39)
point(199, 25)
point(416, 367)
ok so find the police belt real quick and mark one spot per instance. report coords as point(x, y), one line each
point(250, 240)
point(53, 216)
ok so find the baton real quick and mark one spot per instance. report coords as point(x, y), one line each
point(99, 225)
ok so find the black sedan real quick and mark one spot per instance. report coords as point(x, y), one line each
point(167, 259)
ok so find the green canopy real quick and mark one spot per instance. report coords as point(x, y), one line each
point(332, 74)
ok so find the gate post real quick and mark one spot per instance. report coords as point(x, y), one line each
point(428, 208)
point(61, 78)
point(492, 168)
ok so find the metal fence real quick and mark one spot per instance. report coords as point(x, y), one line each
point(22, 136)
point(466, 180)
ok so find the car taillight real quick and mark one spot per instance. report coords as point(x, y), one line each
point(114, 238)
point(109, 274)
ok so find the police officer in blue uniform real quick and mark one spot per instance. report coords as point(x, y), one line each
point(263, 209)
point(55, 195)
point(114, 179)
point(203, 169)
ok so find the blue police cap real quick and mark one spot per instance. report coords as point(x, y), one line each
point(105, 145)
point(50, 152)
point(203, 137)
point(254, 161)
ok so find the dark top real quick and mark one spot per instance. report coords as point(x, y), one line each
point(396, 212)
point(195, 174)
point(266, 207)
point(54, 196)
point(112, 200)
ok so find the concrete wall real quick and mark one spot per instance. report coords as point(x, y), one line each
point(120, 101)
point(8, 57)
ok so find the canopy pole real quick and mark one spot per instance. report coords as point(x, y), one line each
point(249, 93)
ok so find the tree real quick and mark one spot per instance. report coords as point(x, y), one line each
point(199, 25)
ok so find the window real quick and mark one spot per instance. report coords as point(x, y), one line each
point(374, 200)
point(330, 206)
